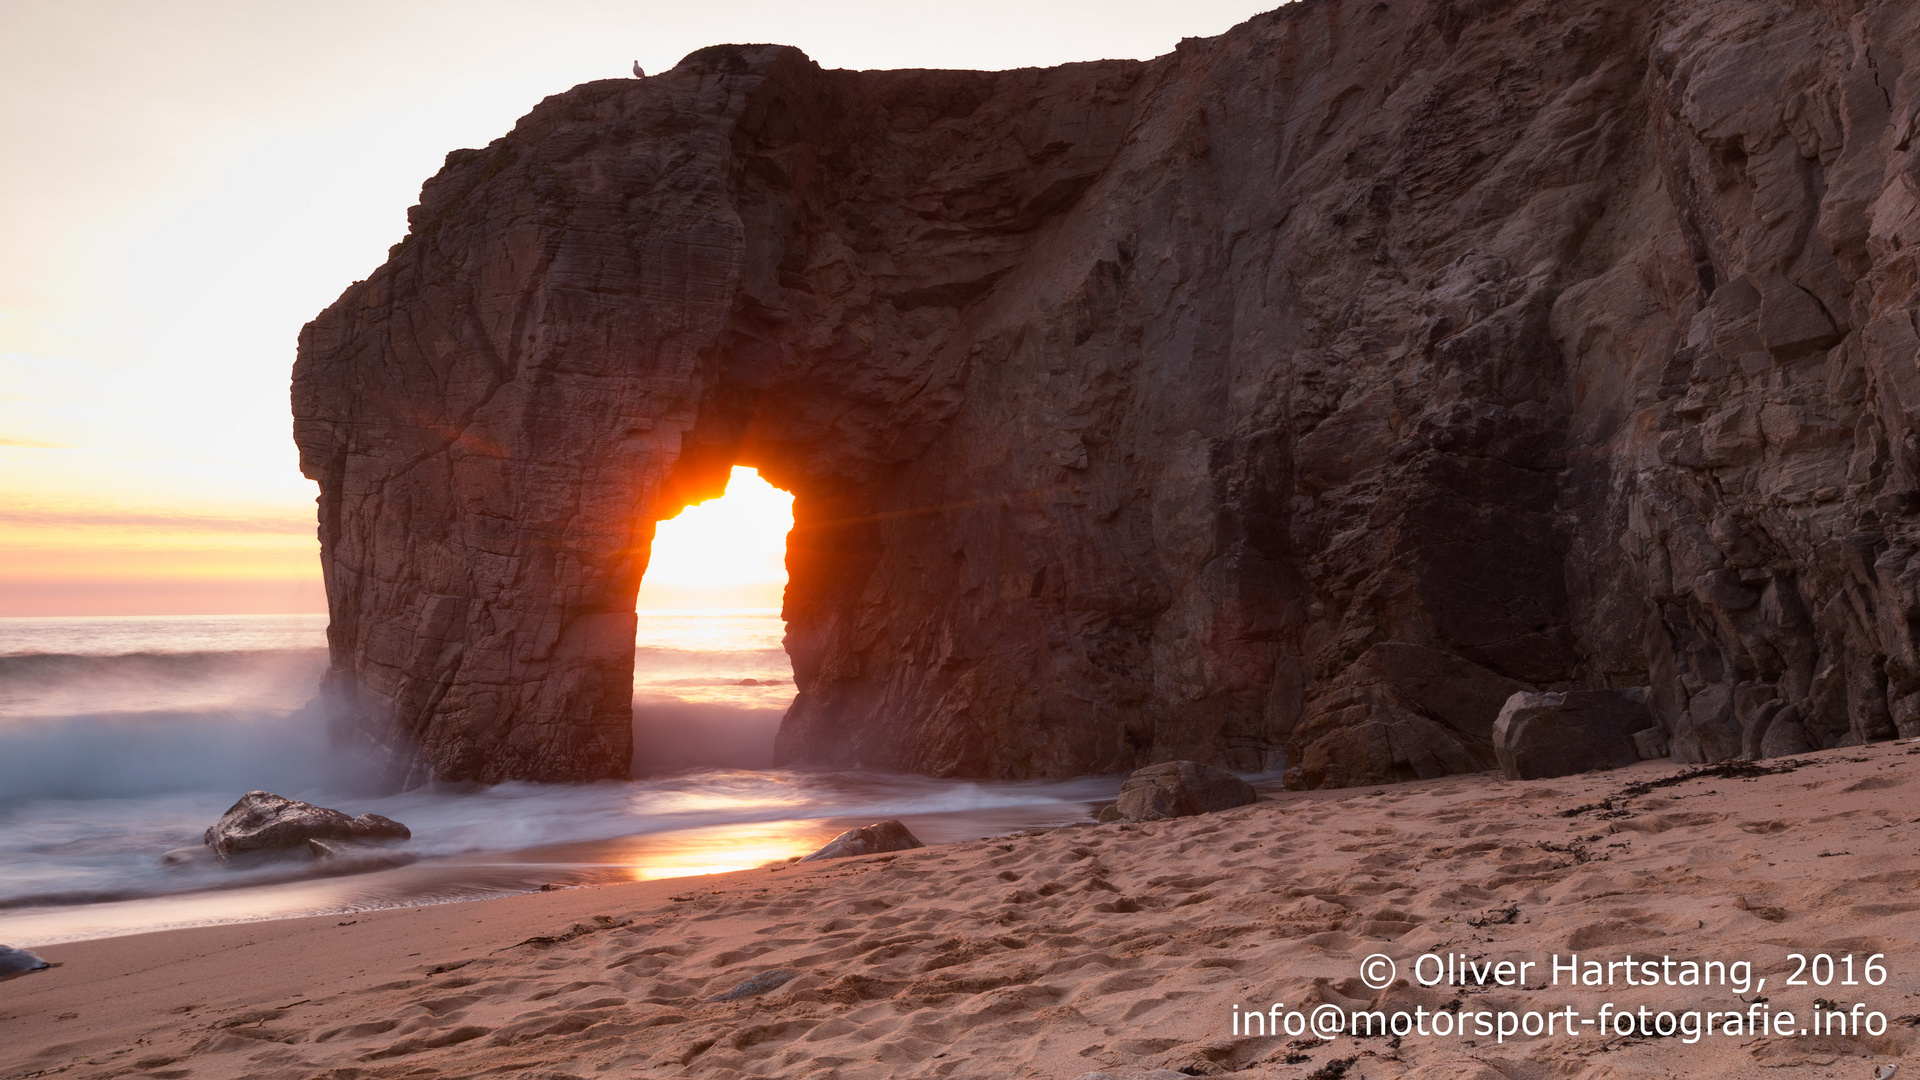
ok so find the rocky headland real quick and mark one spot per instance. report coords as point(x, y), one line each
point(1306, 392)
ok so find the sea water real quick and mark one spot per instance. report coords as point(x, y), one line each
point(123, 738)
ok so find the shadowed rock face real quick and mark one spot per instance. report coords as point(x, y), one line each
point(1308, 390)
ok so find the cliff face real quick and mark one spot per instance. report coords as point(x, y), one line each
point(1307, 390)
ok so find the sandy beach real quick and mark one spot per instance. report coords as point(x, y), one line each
point(1122, 949)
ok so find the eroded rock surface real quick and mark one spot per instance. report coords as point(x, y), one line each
point(888, 835)
point(1307, 390)
point(1538, 736)
point(1174, 789)
point(263, 821)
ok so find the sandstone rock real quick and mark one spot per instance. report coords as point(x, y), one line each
point(1174, 789)
point(888, 835)
point(1164, 409)
point(262, 821)
point(1545, 735)
point(19, 962)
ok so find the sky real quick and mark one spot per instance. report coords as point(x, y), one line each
point(187, 183)
point(726, 552)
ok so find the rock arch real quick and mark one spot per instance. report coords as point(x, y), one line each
point(1308, 389)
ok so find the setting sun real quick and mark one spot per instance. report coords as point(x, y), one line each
point(726, 552)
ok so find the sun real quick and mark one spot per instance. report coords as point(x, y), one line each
point(729, 552)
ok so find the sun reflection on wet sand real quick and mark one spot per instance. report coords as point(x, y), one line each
point(726, 848)
point(684, 852)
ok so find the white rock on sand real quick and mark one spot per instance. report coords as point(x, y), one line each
point(1115, 949)
point(19, 962)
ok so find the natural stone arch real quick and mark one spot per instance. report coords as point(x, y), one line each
point(1312, 387)
point(596, 317)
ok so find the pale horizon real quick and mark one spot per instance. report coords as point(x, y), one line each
point(198, 181)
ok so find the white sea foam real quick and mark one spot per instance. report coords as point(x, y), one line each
point(121, 739)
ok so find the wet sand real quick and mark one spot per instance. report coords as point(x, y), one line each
point(1119, 948)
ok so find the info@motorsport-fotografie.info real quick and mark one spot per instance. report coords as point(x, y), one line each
point(1690, 1023)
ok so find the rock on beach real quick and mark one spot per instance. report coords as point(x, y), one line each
point(19, 962)
point(263, 821)
point(1174, 789)
point(888, 835)
point(1538, 736)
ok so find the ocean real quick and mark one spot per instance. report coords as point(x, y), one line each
point(123, 738)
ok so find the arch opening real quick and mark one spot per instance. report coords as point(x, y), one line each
point(711, 677)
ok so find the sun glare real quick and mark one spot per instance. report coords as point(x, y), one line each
point(724, 849)
point(726, 552)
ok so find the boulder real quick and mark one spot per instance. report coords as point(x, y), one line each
point(1543, 735)
point(1372, 744)
point(19, 962)
point(1174, 789)
point(262, 821)
point(1651, 743)
point(888, 835)
point(1786, 735)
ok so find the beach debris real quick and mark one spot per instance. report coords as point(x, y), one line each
point(1538, 736)
point(759, 984)
point(1497, 917)
point(1885, 1072)
point(1613, 806)
point(1174, 789)
point(1333, 1070)
point(579, 929)
point(19, 962)
point(888, 835)
point(263, 821)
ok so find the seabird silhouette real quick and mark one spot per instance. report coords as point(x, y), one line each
point(637, 73)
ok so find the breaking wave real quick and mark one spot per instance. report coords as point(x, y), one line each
point(123, 739)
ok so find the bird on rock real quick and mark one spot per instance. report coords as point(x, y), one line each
point(637, 73)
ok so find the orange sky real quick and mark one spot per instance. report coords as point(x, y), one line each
point(728, 552)
point(189, 182)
